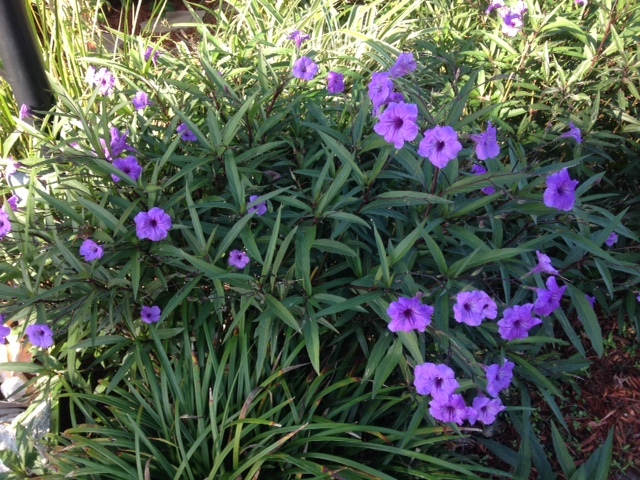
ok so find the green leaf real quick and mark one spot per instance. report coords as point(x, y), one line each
point(564, 458)
point(588, 318)
point(478, 258)
point(230, 130)
point(312, 341)
point(280, 311)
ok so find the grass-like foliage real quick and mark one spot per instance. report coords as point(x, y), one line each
point(250, 273)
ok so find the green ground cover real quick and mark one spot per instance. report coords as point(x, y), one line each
point(250, 272)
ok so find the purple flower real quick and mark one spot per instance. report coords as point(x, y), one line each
point(25, 112)
point(544, 265)
point(153, 224)
point(238, 259)
point(486, 144)
point(103, 79)
point(638, 298)
point(186, 135)
point(439, 381)
point(517, 321)
point(151, 54)
point(298, 37)
point(380, 87)
point(405, 64)
point(12, 201)
point(549, 299)
point(440, 145)
point(91, 251)
point(574, 132)
point(118, 144)
point(561, 191)
point(305, 69)
point(40, 335)
point(512, 23)
point(449, 409)
point(473, 307)
point(398, 123)
point(591, 300)
point(151, 314)
point(581, 3)
point(4, 330)
point(5, 224)
point(499, 377)
point(259, 209)
point(129, 166)
point(11, 168)
point(335, 83)
point(612, 240)
point(495, 5)
point(409, 314)
point(486, 410)
point(140, 101)
point(480, 170)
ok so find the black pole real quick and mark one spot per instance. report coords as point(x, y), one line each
point(21, 58)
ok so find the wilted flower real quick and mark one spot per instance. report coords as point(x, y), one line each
point(40, 335)
point(495, 5)
point(5, 224)
point(544, 265)
point(405, 64)
point(298, 37)
point(151, 54)
point(380, 87)
point(151, 314)
point(486, 410)
point(439, 381)
point(91, 251)
point(612, 240)
point(186, 135)
point(398, 123)
point(409, 314)
point(499, 377)
point(574, 132)
point(335, 83)
point(305, 69)
point(238, 259)
point(11, 167)
point(517, 321)
point(473, 307)
point(449, 409)
point(591, 300)
point(118, 144)
point(140, 101)
point(440, 145)
point(259, 209)
point(154, 224)
point(480, 170)
point(561, 191)
point(25, 112)
point(129, 166)
point(549, 299)
point(486, 143)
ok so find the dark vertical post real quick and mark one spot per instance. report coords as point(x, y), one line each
point(21, 58)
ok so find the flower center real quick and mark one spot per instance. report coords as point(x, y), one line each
point(440, 145)
point(153, 222)
point(398, 123)
point(408, 313)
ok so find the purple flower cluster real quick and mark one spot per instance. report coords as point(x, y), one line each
point(439, 381)
point(473, 307)
point(512, 18)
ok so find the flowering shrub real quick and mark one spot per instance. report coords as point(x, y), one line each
point(311, 270)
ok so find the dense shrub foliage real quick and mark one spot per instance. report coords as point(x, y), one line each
point(329, 241)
